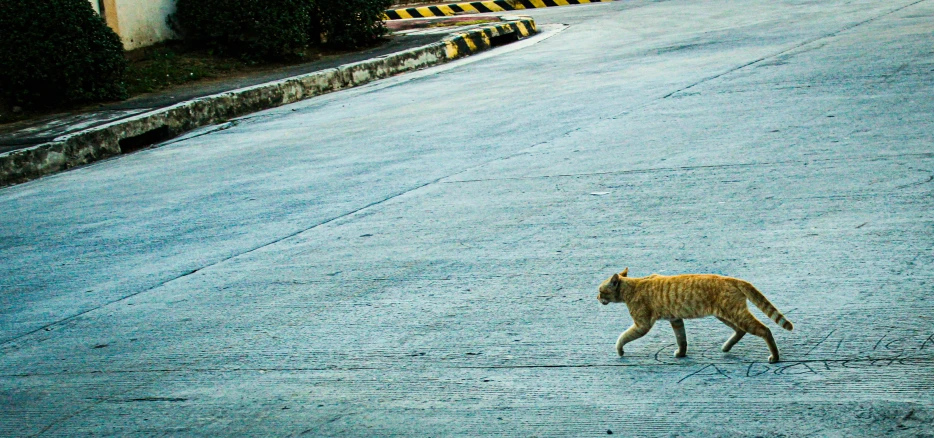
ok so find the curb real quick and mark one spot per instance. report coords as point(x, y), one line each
point(136, 132)
point(479, 7)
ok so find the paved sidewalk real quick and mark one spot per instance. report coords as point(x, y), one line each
point(46, 129)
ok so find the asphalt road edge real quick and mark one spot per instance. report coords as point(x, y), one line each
point(143, 130)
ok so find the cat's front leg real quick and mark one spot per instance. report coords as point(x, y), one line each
point(634, 332)
point(619, 344)
point(680, 337)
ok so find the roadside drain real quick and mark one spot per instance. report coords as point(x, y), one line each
point(144, 140)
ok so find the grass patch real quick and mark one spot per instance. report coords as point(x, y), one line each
point(170, 64)
point(165, 65)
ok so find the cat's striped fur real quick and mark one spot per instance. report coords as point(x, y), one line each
point(678, 297)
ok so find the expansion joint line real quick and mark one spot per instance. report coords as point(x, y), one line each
point(48, 326)
point(224, 260)
point(795, 47)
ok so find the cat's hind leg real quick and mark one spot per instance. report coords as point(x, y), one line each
point(680, 337)
point(749, 323)
point(737, 335)
point(631, 334)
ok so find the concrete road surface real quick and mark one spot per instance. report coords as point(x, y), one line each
point(420, 256)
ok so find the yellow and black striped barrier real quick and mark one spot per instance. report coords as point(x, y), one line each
point(476, 40)
point(479, 7)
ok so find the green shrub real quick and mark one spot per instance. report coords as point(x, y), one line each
point(252, 29)
point(277, 29)
point(350, 23)
point(55, 52)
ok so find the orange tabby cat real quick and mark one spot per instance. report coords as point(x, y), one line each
point(679, 297)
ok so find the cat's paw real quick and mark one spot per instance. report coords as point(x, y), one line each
point(681, 354)
point(773, 359)
point(727, 347)
point(619, 351)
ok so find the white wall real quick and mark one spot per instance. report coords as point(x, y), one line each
point(142, 22)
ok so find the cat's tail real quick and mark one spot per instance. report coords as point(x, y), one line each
point(763, 303)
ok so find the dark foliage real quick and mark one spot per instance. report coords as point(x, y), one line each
point(252, 29)
point(350, 23)
point(55, 52)
point(278, 29)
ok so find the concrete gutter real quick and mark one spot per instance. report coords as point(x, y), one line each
point(132, 133)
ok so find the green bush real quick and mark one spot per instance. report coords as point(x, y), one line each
point(252, 29)
point(277, 29)
point(350, 23)
point(55, 52)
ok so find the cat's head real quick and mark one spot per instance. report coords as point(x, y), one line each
point(610, 291)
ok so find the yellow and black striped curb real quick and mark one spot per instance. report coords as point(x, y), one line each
point(479, 7)
point(476, 40)
point(120, 136)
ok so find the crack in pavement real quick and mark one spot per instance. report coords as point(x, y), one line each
point(929, 179)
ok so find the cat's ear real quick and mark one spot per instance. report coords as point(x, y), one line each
point(614, 280)
point(625, 271)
